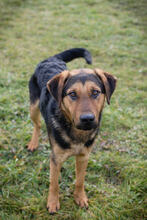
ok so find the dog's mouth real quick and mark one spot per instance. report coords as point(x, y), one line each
point(86, 126)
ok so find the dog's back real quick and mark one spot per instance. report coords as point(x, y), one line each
point(39, 94)
point(53, 66)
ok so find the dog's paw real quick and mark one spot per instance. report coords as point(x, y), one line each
point(81, 200)
point(32, 145)
point(53, 205)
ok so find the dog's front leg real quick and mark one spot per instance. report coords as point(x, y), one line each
point(58, 156)
point(79, 193)
point(53, 198)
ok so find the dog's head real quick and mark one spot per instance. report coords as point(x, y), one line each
point(81, 95)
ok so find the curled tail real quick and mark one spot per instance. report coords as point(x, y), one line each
point(74, 53)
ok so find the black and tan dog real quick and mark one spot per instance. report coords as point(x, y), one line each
point(71, 103)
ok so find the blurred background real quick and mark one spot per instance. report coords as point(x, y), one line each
point(115, 34)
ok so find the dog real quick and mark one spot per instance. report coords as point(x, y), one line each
point(71, 103)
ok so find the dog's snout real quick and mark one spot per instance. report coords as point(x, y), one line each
point(87, 117)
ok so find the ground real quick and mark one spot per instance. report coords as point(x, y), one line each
point(114, 32)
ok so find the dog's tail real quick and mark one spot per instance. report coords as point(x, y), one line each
point(74, 53)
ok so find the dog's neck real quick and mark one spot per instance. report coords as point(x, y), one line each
point(83, 136)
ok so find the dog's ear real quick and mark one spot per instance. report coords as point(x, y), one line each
point(109, 82)
point(56, 84)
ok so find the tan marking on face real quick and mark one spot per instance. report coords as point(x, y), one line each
point(84, 103)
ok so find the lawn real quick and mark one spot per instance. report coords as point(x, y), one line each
point(115, 33)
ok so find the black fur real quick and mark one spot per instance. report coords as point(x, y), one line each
point(67, 56)
point(82, 77)
point(51, 67)
point(58, 137)
point(112, 84)
point(34, 89)
point(56, 122)
point(89, 142)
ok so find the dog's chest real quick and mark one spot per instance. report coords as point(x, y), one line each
point(77, 149)
point(78, 142)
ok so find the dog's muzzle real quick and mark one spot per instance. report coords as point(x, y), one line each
point(87, 122)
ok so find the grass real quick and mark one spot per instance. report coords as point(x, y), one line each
point(115, 33)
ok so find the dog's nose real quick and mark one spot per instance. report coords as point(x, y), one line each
point(87, 117)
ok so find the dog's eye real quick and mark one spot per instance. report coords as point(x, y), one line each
point(95, 93)
point(73, 95)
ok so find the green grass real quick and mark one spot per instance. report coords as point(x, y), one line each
point(114, 31)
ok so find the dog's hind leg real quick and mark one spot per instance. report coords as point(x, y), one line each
point(34, 112)
point(35, 116)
